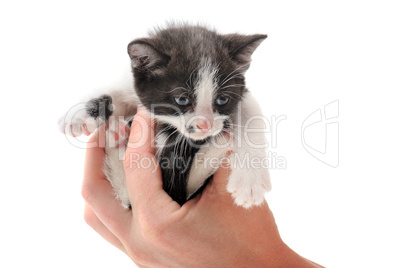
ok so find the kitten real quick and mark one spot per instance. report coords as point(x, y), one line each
point(191, 79)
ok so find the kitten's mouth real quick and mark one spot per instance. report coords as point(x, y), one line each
point(196, 133)
point(197, 130)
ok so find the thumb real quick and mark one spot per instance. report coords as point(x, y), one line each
point(143, 174)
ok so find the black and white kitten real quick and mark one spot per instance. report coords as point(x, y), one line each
point(191, 79)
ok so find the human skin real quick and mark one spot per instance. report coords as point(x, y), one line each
point(207, 231)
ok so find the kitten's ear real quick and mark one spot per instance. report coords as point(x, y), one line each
point(144, 56)
point(241, 47)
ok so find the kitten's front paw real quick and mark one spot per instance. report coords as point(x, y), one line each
point(84, 118)
point(77, 122)
point(248, 188)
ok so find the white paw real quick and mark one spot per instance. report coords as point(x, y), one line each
point(248, 187)
point(77, 122)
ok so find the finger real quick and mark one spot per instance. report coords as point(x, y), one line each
point(143, 174)
point(217, 187)
point(98, 192)
point(92, 220)
point(98, 139)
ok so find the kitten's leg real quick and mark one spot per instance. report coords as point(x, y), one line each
point(84, 118)
point(249, 180)
point(114, 108)
point(117, 134)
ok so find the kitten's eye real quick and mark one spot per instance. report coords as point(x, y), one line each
point(222, 100)
point(182, 101)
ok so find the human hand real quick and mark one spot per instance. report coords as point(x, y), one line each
point(207, 231)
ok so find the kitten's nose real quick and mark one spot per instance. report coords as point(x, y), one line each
point(203, 125)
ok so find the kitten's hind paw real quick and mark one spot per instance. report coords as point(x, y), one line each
point(248, 191)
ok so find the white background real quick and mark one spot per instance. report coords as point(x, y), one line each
point(54, 52)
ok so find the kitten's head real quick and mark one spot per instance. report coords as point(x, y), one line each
point(192, 78)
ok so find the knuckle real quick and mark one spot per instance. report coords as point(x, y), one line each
point(86, 193)
point(138, 255)
point(151, 227)
point(89, 218)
